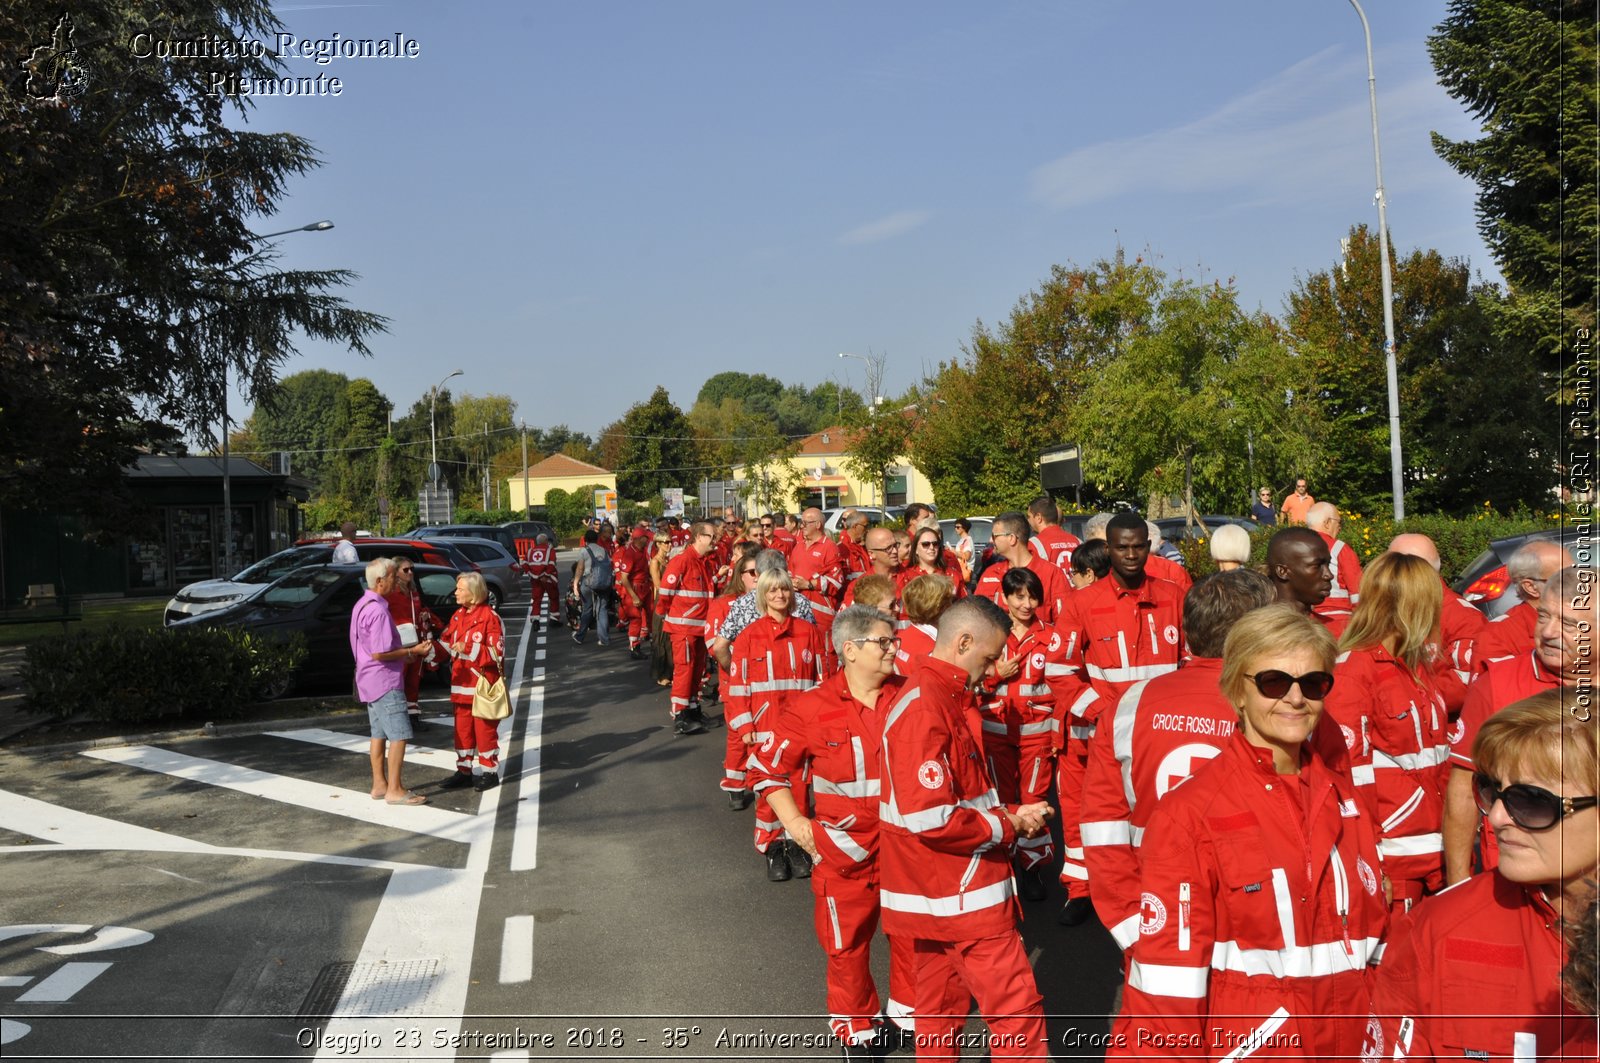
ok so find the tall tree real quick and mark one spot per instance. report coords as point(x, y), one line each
point(133, 285)
point(651, 447)
point(1526, 69)
point(307, 415)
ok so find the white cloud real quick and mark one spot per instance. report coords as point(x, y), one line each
point(885, 228)
point(1302, 131)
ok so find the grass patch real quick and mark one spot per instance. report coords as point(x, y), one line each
point(97, 616)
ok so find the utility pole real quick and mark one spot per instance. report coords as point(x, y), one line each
point(525, 506)
point(486, 466)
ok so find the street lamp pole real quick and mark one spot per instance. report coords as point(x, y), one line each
point(1391, 371)
point(227, 478)
point(433, 430)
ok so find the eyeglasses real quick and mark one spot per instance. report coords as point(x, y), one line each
point(1275, 684)
point(892, 548)
point(747, 572)
point(929, 543)
point(766, 524)
point(808, 521)
point(404, 571)
point(1530, 807)
point(887, 643)
point(997, 535)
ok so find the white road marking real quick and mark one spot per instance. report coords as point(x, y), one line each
point(64, 983)
point(11, 981)
point(422, 756)
point(352, 804)
point(525, 835)
point(174, 874)
point(516, 950)
point(538, 655)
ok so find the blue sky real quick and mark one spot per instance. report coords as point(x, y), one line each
point(577, 202)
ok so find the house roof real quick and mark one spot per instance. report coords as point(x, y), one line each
point(561, 465)
point(175, 467)
point(829, 441)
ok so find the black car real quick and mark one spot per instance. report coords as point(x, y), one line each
point(1484, 581)
point(1174, 529)
point(316, 602)
point(531, 530)
point(493, 532)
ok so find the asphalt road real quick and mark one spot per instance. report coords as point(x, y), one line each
point(244, 898)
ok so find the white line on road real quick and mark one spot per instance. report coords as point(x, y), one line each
point(525, 836)
point(516, 950)
point(352, 804)
point(538, 655)
point(423, 756)
point(64, 983)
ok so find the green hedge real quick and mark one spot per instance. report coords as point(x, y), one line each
point(1459, 540)
point(138, 674)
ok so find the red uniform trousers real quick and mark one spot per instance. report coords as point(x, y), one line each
point(541, 592)
point(846, 917)
point(635, 618)
point(737, 755)
point(995, 971)
point(688, 667)
point(413, 679)
point(474, 734)
point(1072, 764)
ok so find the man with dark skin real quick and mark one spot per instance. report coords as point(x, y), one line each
point(1298, 565)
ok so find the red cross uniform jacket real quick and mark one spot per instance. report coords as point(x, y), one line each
point(1056, 587)
point(944, 844)
point(685, 594)
point(819, 562)
point(1055, 545)
point(1024, 707)
point(632, 567)
point(1165, 729)
point(1117, 636)
point(1509, 635)
point(772, 662)
point(841, 741)
point(1394, 726)
point(857, 562)
point(950, 571)
point(540, 564)
point(916, 642)
point(1346, 569)
point(482, 639)
point(1475, 973)
point(1262, 909)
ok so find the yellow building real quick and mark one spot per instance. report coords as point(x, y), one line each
point(557, 470)
point(818, 470)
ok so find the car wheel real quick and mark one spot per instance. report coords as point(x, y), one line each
point(494, 599)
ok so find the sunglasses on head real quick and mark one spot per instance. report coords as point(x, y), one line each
point(1275, 684)
point(1530, 807)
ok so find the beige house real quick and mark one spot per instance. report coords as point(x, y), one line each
point(818, 470)
point(557, 470)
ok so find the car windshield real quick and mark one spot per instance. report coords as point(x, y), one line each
point(298, 588)
point(283, 562)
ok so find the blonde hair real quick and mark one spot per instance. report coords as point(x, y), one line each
point(1401, 599)
point(874, 590)
point(926, 598)
point(770, 580)
point(477, 589)
point(1267, 632)
point(1545, 737)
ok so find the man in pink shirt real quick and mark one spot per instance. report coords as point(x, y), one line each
point(381, 683)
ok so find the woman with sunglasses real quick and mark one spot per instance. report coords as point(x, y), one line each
point(1262, 908)
point(774, 659)
point(405, 607)
point(1389, 703)
point(741, 581)
point(660, 643)
point(928, 559)
point(1475, 971)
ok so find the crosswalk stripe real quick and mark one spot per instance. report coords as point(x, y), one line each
point(352, 804)
point(516, 950)
point(423, 756)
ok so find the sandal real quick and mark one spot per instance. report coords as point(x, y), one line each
point(411, 798)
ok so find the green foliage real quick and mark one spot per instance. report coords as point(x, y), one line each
point(651, 447)
point(565, 510)
point(875, 444)
point(132, 281)
point(493, 516)
point(138, 674)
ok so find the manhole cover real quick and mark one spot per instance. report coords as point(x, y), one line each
point(390, 988)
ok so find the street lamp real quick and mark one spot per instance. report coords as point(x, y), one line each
point(864, 360)
point(433, 431)
point(1391, 372)
point(227, 479)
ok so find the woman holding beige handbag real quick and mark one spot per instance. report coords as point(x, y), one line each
point(475, 639)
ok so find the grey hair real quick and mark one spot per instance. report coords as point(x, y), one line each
point(1095, 526)
point(378, 568)
point(1575, 587)
point(542, 539)
point(1527, 562)
point(770, 560)
point(1155, 533)
point(856, 622)
point(1230, 543)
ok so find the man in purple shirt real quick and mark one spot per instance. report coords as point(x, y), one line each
point(381, 684)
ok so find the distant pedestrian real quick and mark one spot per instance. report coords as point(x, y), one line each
point(380, 683)
point(1297, 505)
point(1261, 510)
point(345, 552)
point(593, 580)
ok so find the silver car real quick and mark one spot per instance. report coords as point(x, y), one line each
point(499, 567)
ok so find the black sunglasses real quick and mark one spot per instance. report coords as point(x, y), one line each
point(1275, 684)
point(1530, 807)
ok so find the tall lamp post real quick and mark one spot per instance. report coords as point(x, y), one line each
point(874, 381)
point(1397, 485)
point(227, 479)
point(433, 430)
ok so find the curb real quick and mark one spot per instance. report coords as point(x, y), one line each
point(209, 730)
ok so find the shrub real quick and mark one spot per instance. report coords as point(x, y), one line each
point(137, 674)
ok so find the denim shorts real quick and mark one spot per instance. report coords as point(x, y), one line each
point(389, 718)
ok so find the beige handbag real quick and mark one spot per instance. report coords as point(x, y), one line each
point(490, 700)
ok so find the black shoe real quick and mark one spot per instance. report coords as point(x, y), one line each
point(687, 725)
point(867, 1051)
point(633, 651)
point(1030, 884)
point(457, 781)
point(487, 781)
point(738, 800)
point(892, 1037)
point(799, 860)
point(777, 863)
point(1076, 912)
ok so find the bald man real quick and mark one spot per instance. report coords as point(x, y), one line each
point(1300, 569)
point(1324, 519)
point(1460, 623)
point(1526, 571)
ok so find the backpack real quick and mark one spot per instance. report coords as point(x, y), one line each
point(597, 574)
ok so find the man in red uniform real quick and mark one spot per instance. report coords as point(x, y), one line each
point(833, 735)
point(630, 567)
point(1050, 541)
point(1301, 572)
point(1527, 569)
point(545, 586)
point(1163, 730)
point(883, 555)
point(1324, 519)
point(818, 575)
point(852, 548)
point(782, 537)
point(683, 600)
point(1560, 656)
point(1118, 631)
point(944, 840)
point(1011, 548)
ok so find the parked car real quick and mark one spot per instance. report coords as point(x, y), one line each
point(1176, 529)
point(493, 532)
point(530, 530)
point(831, 515)
point(316, 601)
point(499, 566)
point(1484, 582)
point(208, 595)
